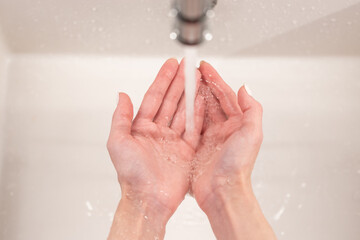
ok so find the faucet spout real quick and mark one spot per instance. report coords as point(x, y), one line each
point(191, 20)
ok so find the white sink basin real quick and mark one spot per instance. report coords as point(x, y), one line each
point(57, 95)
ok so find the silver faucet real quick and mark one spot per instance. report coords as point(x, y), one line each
point(191, 20)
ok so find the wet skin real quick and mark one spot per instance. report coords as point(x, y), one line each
point(158, 161)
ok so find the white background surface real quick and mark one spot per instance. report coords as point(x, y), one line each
point(138, 27)
point(57, 121)
point(58, 94)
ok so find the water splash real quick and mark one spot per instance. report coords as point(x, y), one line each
point(279, 213)
point(89, 206)
point(190, 85)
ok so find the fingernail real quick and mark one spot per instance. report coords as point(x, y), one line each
point(202, 61)
point(247, 89)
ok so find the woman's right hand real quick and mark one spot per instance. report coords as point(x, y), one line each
point(231, 139)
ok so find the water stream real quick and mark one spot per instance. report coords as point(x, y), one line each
point(190, 85)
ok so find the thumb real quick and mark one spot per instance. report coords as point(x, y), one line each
point(123, 115)
point(251, 108)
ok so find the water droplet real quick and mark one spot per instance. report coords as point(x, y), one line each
point(210, 13)
point(146, 217)
point(299, 206)
point(100, 29)
point(208, 36)
point(94, 9)
point(173, 35)
point(279, 213)
point(89, 206)
point(303, 184)
point(163, 192)
point(173, 12)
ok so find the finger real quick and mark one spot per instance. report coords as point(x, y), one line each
point(199, 114)
point(193, 137)
point(179, 119)
point(213, 111)
point(251, 108)
point(154, 96)
point(221, 90)
point(172, 97)
point(122, 117)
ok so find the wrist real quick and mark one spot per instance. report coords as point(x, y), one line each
point(147, 206)
point(139, 218)
point(234, 213)
point(228, 195)
point(159, 196)
point(226, 189)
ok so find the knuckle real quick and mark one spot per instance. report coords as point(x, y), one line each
point(156, 94)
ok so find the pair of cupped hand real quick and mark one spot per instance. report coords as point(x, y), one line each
point(158, 160)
